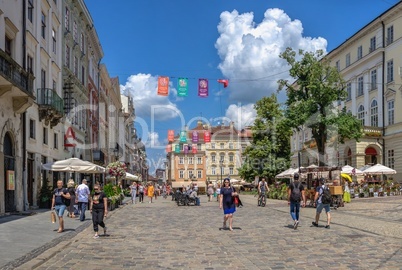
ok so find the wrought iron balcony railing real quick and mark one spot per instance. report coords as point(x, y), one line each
point(49, 97)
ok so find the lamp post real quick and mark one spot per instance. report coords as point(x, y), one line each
point(221, 165)
point(116, 158)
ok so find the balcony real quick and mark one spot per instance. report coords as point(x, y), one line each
point(375, 132)
point(16, 81)
point(50, 106)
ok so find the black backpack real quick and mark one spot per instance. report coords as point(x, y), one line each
point(326, 197)
point(295, 196)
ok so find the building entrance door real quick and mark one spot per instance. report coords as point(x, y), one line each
point(9, 165)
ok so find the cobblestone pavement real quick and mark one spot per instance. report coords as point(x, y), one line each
point(365, 234)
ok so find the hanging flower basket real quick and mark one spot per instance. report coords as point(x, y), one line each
point(116, 169)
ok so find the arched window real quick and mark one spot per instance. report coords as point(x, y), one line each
point(360, 114)
point(374, 113)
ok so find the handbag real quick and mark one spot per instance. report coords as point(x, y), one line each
point(236, 200)
point(53, 216)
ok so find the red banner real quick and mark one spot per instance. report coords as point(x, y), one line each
point(194, 149)
point(207, 136)
point(170, 135)
point(163, 86)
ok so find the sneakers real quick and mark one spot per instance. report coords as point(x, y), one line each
point(296, 224)
point(314, 224)
point(96, 236)
point(327, 227)
point(104, 230)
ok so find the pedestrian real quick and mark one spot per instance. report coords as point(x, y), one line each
point(71, 191)
point(346, 193)
point(319, 204)
point(83, 194)
point(210, 192)
point(227, 193)
point(60, 196)
point(98, 209)
point(151, 192)
point(218, 192)
point(156, 190)
point(296, 197)
point(141, 192)
point(133, 192)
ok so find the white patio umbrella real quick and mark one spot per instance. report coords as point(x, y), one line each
point(351, 170)
point(232, 181)
point(73, 165)
point(379, 169)
point(287, 174)
point(130, 176)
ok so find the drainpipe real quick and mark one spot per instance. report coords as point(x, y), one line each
point(23, 118)
point(383, 93)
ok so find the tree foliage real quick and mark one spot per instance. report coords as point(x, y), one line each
point(312, 97)
point(269, 151)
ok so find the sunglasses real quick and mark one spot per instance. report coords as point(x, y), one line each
point(227, 182)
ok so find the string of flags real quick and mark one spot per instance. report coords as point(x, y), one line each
point(182, 86)
point(195, 138)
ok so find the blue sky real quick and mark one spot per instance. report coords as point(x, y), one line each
point(237, 40)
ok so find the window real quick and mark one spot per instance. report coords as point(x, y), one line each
point(338, 65)
point(75, 31)
point(43, 27)
point(67, 19)
point(360, 91)
point(360, 114)
point(221, 158)
point(199, 174)
point(54, 86)
point(374, 113)
point(30, 64)
point(190, 174)
point(82, 43)
point(45, 140)
point(222, 145)
point(8, 45)
point(181, 160)
point(55, 140)
point(391, 159)
point(213, 170)
point(373, 79)
point(231, 158)
point(230, 145)
point(67, 56)
point(390, 71)
point(213, 145)
point(359, 52)
point(75, 66)
point(348, 60)
point(181, 174)
point(54, 41)
point(349, 91)
point(32, 132)
point(199, 160)
point(213, 158)
point(391, 112)
point(43, 78)
point(30, 10)
point(231, 171)
point(83, 75)
point(390, 34)
point(372, 44)
point(199, 147)
point(190, 160)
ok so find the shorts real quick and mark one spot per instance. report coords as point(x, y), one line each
point(59, 209)
point(321, 206)
point(228, 211)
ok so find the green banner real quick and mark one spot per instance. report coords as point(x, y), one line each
point(183, 136)
point(182, 87)
point(177, 148)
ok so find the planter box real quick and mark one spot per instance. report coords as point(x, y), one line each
point(375, 194)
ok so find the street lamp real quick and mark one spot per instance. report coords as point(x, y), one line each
point(221, 165)
point(116, 157)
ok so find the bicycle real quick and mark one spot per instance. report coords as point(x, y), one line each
point(262, 200)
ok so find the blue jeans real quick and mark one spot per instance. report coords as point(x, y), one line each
point(294, 210)
point(82, 207)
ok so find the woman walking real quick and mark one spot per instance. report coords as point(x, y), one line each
point(227, 193)
point(98, 209)
point(150, 191)
point(71, 191)
point(141, 192)
point(133, 192)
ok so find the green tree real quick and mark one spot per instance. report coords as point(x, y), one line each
point(312, 97)
point(269, 151)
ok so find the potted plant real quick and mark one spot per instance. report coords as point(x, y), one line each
point(45, 195)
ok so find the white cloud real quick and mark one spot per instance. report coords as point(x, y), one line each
point(153, 140)
point(143, 89)
point(241, 115)
point(249, 52)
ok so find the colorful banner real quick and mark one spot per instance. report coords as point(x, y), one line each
point(182, 87)
point(10, 180)
point(224, 82)
point(194, 149)
point(177, 148)
point(163, 86)
point(202, 87)
point(195, 137)
point(207, 136)
point(186, 149)
point(168, 148)
point(170, 135)
point(183, 136)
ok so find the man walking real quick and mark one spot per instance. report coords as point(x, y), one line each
point(83, 195)
point(296, 196)
point(320, 201)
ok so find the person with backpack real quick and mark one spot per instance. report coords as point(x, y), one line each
point(322, 200)
point(296, 197)
point(59, 203)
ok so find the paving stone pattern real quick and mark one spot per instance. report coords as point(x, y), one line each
point(365, 234)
